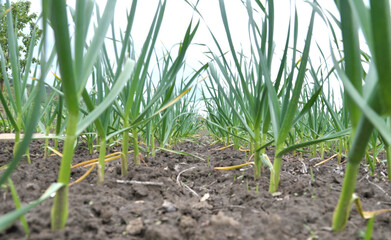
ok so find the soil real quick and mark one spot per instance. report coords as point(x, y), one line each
point(228, 205)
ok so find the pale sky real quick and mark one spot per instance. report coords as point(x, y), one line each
point(178, 15)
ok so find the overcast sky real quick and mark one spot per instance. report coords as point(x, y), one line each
point(179, 14)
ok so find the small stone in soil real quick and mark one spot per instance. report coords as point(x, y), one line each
point(168, 206)
point(140, 191)
point(135, 226)
point(32, 187)
point(106, 214)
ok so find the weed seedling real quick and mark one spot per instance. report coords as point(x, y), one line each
point(312, 233)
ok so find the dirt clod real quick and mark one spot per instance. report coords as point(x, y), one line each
point(222, 220)
point(135, 226)
point(187, 221)
point(201, 205)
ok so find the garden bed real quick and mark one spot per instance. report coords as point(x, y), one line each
point(149, 203)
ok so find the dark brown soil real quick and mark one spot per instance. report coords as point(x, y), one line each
point(302, 209)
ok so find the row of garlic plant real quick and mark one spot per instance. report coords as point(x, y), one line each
point(247, 90)
point(22, 107)
point(116, 104)
point(75, 71)
point(18, 102)
point(24, 118)
point(270, 105)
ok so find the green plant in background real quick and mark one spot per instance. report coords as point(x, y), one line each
point(33, 100)
point(31, 120)
point(258, 101)
point(327, 119)
point(219, 114)
point(261, 105)
point(25, 20)
point(49, 114)
point(374, 149)
point(174, 116)
point(283, 115)
point(59, 126)
point(132, 112)
point(10, 53)
point(132, 95)
point(245, 96)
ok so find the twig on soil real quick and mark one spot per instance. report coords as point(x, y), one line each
point(142, 159)
point(222, 148)
point(84, 175)
point(304, 169)
point(212, 183)
point(313, 159)
point(236, 206)
point(141, 183)
point(381, 189)
point(324, 161)
point(191, 190)
point(180, 183)
point(365, 177)
point(328, 229)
